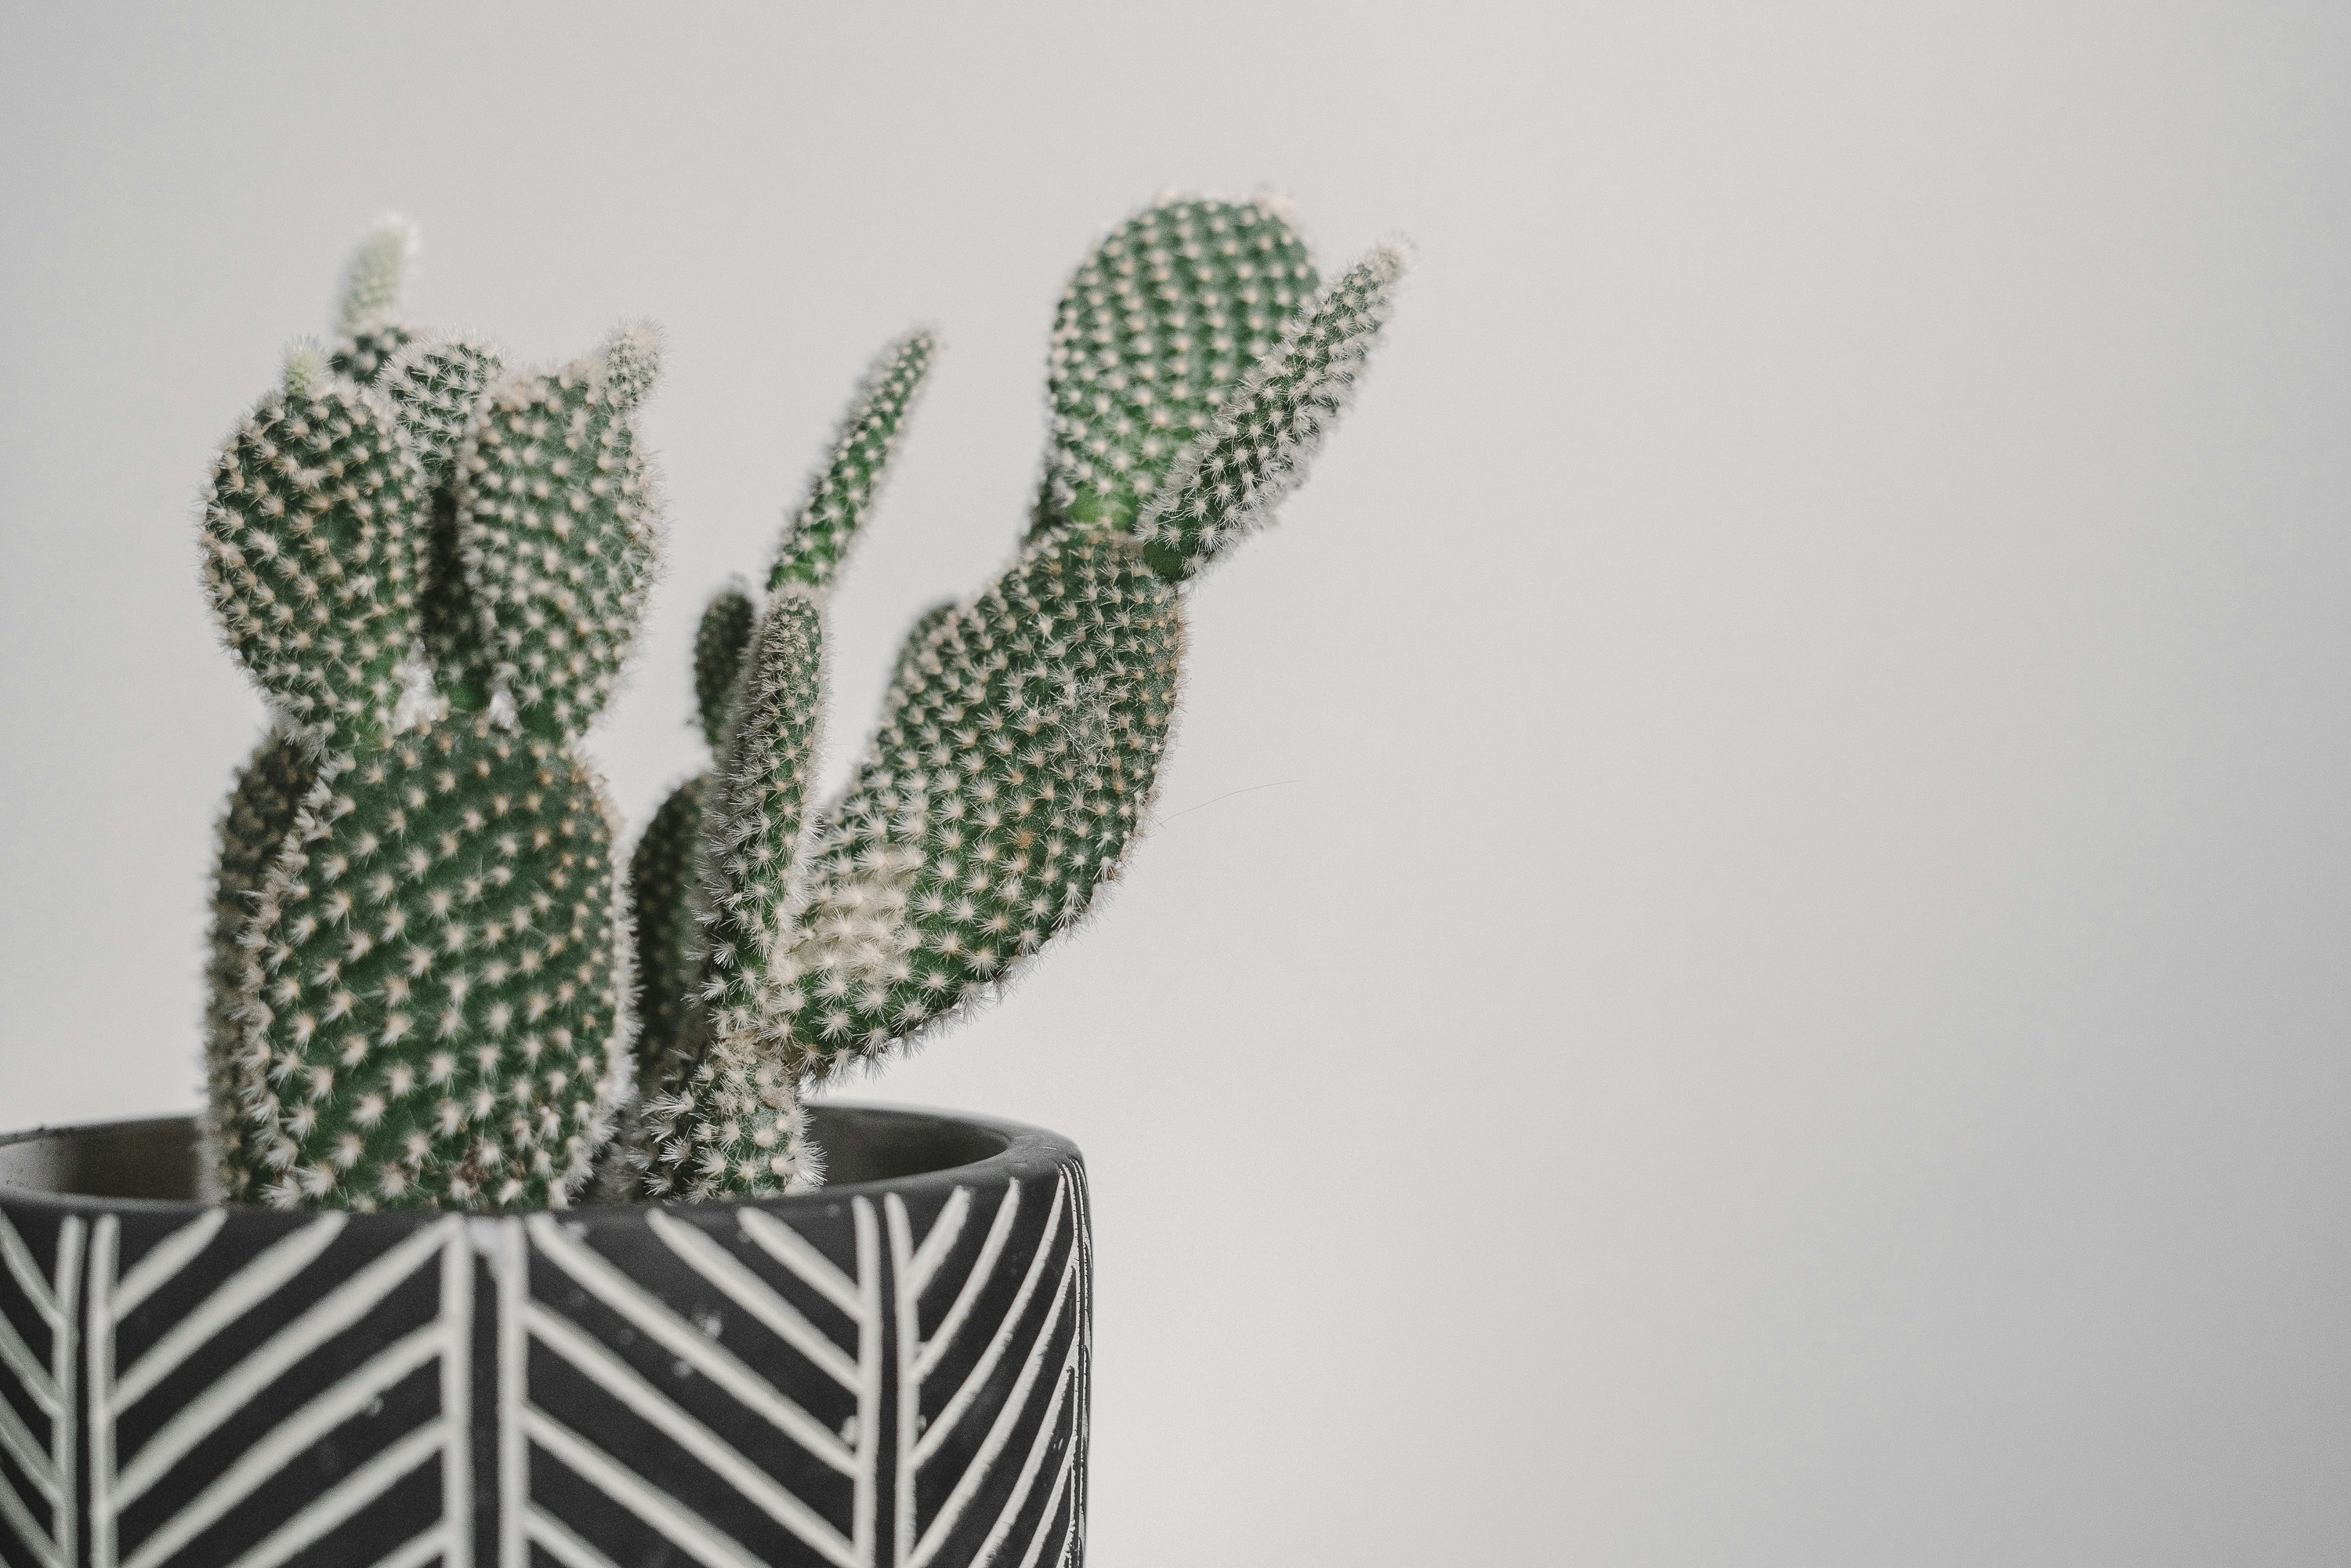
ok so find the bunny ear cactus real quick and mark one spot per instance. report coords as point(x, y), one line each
point(1196, 367)
point(435, 566)
point(417, 989)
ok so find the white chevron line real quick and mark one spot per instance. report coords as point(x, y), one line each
point(670, 1520)
point(910, 1387)
point(456, 1400)
point(98, 1345)
point(236, 1295)
point(624, 1383)
point(869, 1378)
point(321, 1514)
point(37, 1540)
point(944, 1231)
point(723, 1270)
point(1037, 1445)
point(1053, 1505)
point(165, 1259)
point(976, 1280)
point(330, 1316)
point(49, 1471)
point(514, 1370)
point(28, 1273)
point(427, 1545)
point(20, 1359)
point(967, 1484)
point(819, 1272)
point(64, 1441)
point(562, 1544)
point(976, 1380)
point(1082, 1196)
point(672, 1334)
point(16, 1441)
point(286, 1441)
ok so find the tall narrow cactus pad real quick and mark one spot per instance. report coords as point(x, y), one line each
point(314, 552)
point(437, 387)
point(432, 988)
point(997, 797)
point(1153, 332)
point(366, 318)
point(560, 529)
point(1258, 450)
point(820, 533)
point(719, 639)
point(662, 902)
point(262, 806)
point(758, 801)
point(721, 1113)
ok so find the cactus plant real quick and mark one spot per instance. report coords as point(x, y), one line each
point(1195, 368)
point(435, 566)
point(418, 993)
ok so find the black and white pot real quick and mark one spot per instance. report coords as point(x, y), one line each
point(892, 1372)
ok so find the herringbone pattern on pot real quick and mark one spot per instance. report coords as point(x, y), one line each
point(891, 1378)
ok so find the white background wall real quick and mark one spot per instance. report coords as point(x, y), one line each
point(1745, 956)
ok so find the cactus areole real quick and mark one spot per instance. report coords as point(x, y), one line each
point(430, 983)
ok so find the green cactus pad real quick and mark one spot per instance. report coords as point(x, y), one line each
point(724, 632)
point(1153, 334)
point(843, 492)
point(1262, 442)
point(314, 553)
point(996, 797)
point(433, 1003)
point(262, 805)
point(660, 902)
point(560, 529)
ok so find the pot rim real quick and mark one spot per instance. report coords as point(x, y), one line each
point(1021, 1149)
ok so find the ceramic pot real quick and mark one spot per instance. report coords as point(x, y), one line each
point(892, 1372)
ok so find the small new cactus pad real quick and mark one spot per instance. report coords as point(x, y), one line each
point(718, 644)
point(368, 329)
point(419, 995)
point(1195, 368)
point(818, 535)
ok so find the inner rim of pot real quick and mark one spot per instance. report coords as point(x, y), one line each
point(160, 1159)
